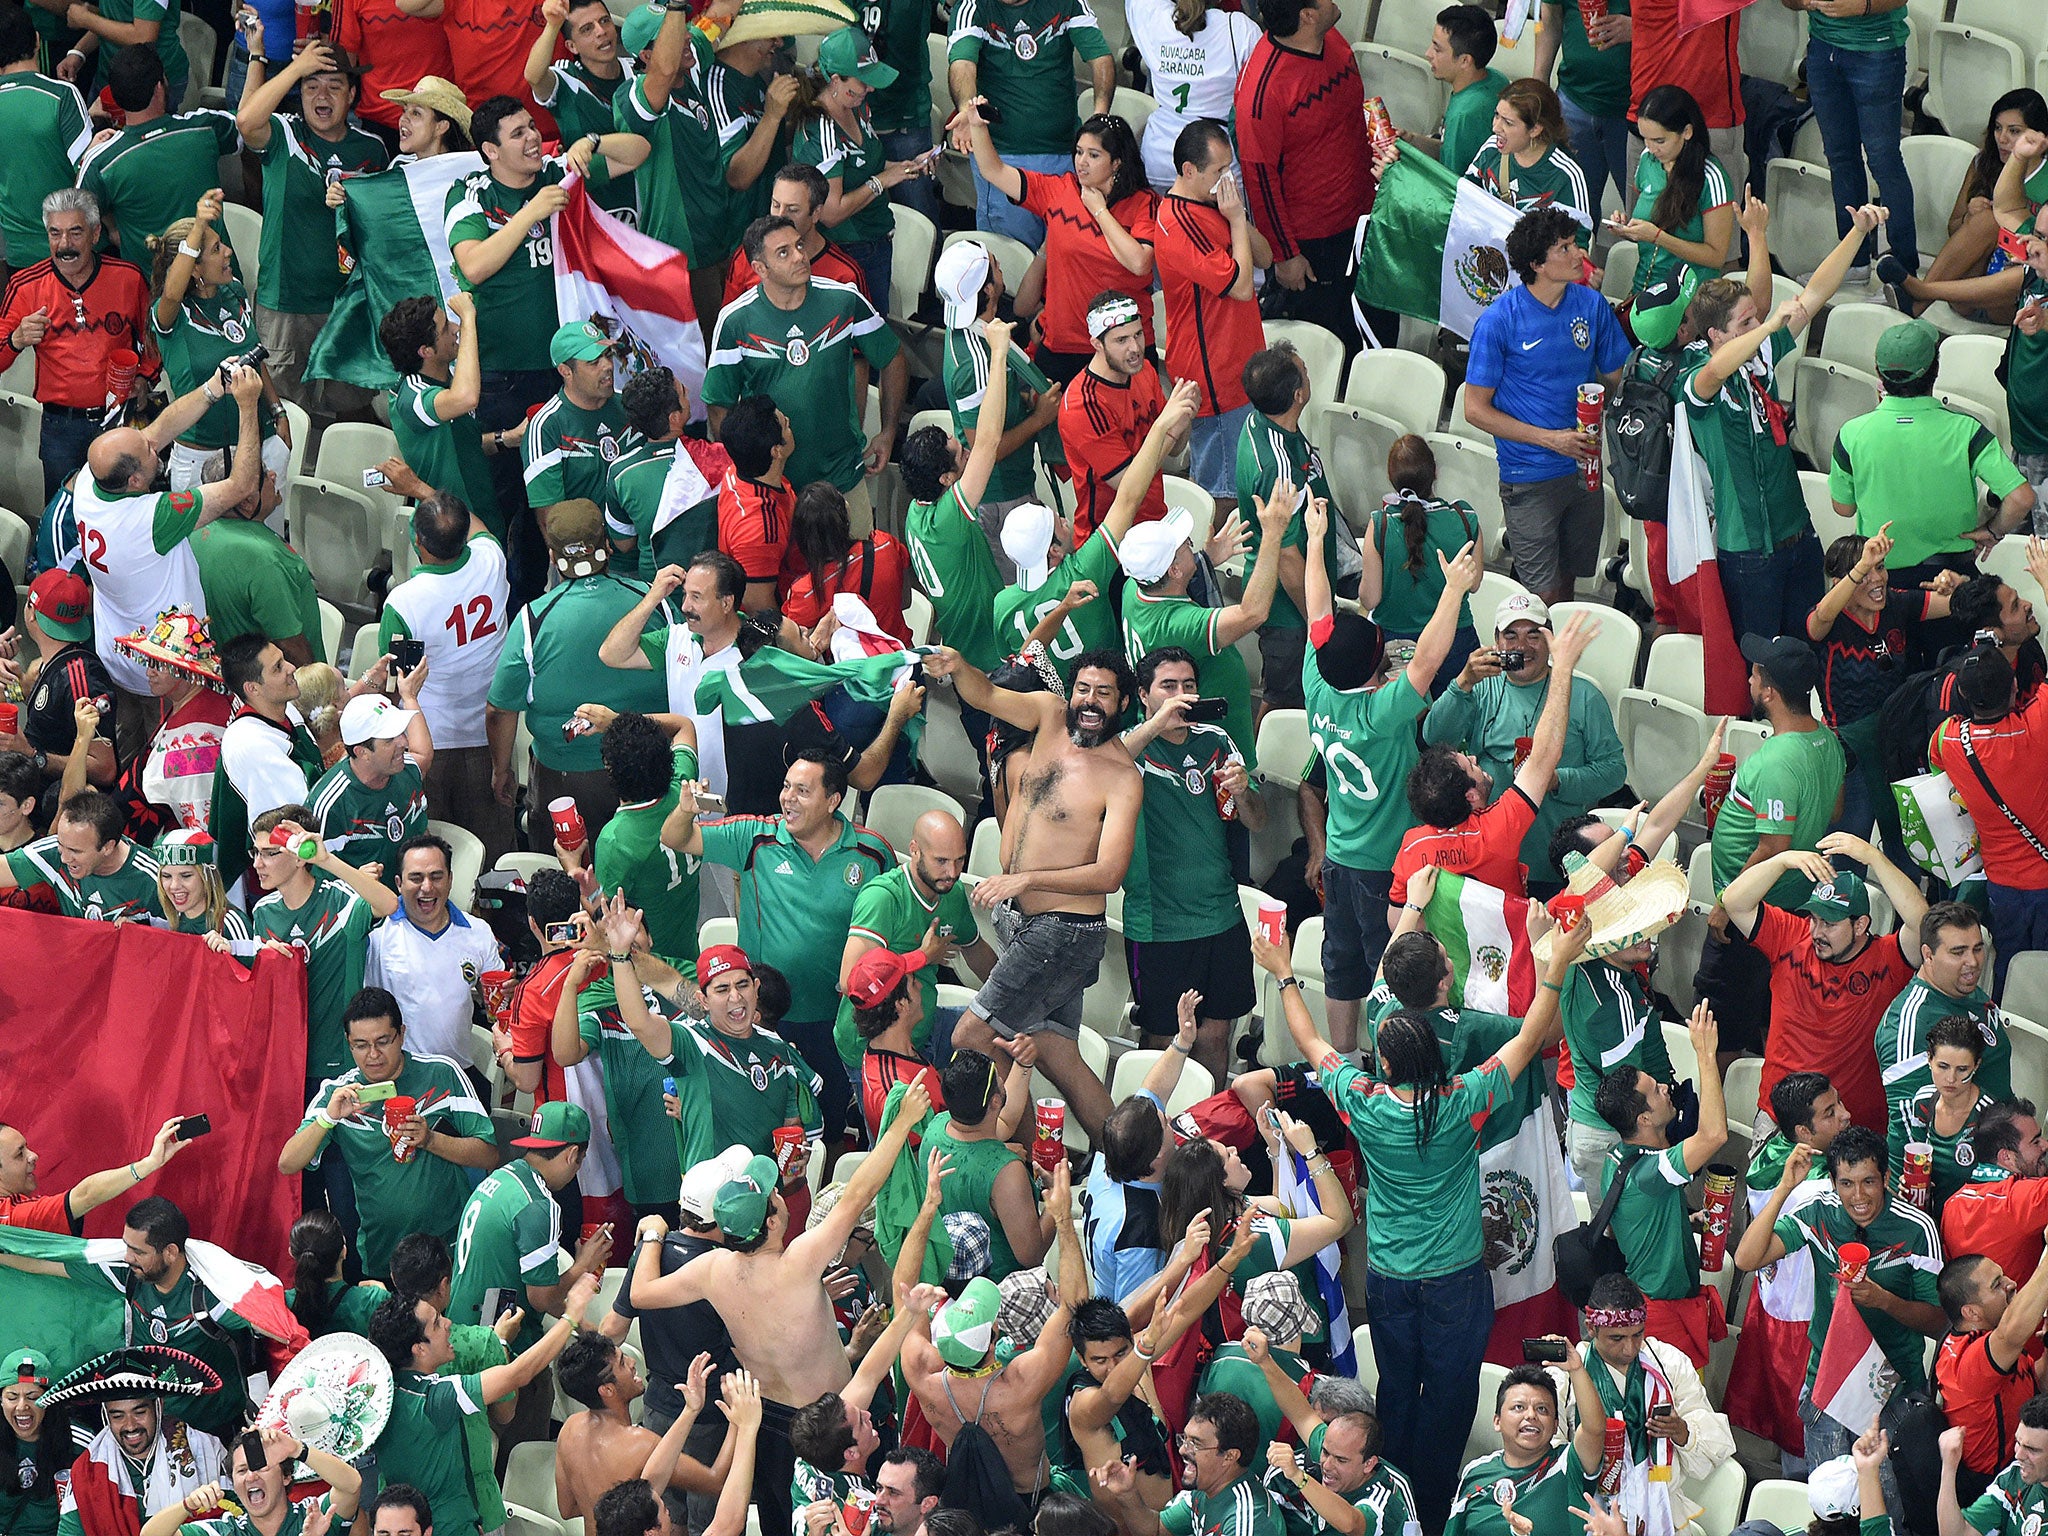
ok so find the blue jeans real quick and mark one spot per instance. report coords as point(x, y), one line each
point(1859, 102)
point(999, 216)
point(62, 446)
point(1429, 1337)
point(875, 258)
point(1212, 451)
point(1770, 592)
point(1601, 147)
point(1825, 1440)
point(1355, 931)
point(920, 192)
point(2019, 920)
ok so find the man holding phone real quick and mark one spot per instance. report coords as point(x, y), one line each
point(1183, 926)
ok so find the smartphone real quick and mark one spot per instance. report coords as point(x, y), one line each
point(991, 113)
point(1206, 711)
point(376, 1093)
point(407, 653)
point(498, 1300)
point(375, 480)
point(1544, 1351)
point(192, 1127)
point(2013, 244)
point(252, 1451)
point(563, 933)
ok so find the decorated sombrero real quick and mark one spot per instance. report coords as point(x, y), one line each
point(335, 1396)
point(786, 18)
point(178, 641)
point(136, 1370)
point(1621, 915)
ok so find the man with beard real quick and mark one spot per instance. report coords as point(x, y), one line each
point(1066, 847)
point(2001, 1212)
point(138, 1461)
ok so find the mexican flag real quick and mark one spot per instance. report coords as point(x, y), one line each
point(1433, 245)
point(773, 684)
point(393, 243)
point(632, 285)
point(1695, 575)
point(1486, 932)
point(1853, 1380)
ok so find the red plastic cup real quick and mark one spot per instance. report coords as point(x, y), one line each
point(569, 829)
point(1613, 1457)
point(1851, 1261)
point(397, 1110)
point(590, 1230)
point(1916, 1173)
point(1524, 745)
point(1591, 11)
point(306, 848)
point(497, 989)
point(121, 367)
point(1273, 921)
point(1049, 1145)
point(10, 719)
point(1592, 400)
point(1719, 1203)
point(788, 1144)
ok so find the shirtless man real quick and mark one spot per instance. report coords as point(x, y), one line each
point(946, 1356)
point(769, 1287)
point(602, 1446)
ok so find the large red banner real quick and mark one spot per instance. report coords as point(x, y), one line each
point(107, 1030)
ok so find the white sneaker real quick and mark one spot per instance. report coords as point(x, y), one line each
point(1859, 275)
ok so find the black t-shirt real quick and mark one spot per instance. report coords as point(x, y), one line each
point(72, 673)
point(1860, 667)
point(674, 1336)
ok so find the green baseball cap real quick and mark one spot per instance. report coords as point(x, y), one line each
point(578, 341)
point(556, 1125)
point(849, 51)
point(1844, 896)
point(1660, 308)
point(964, 1329)
point(1908, 349)
point(637, 31)
point(741, 1206)
point(25, 1365)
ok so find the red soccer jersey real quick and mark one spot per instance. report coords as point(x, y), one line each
point(753, 527)
point(1824, 1014)
point(1999, 1215)
point(533, 1021)
point(831, 263)
point(394, 49)
point(1103, 423)
point(1982, 1400)
point(86, 324)
point(879, 583)
point(1210, 336)
point(1486, 847)
point(2009, 751)
point(1703, 60)
point(1078, 261)
point(41, 1213)
point(1301, 140)
point(881, 1071)
point(488, 41)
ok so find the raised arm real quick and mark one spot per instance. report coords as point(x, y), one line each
point(1760, 1243)
point(1006, 179)
point(2010, 204)
point(1547, 749)
point(96, 1189)
point(565, 1038)
point(1252, 609)
point(1744, 898)
point(1310, 1235)
point(1462, 575)
point(1171, 426)
point(1541, 1029)
point(743, 1407)
point(1836, 598)
point(377, 896)
point(821, 1244)
point(987, 447)
point(527, 1366)
point(1027, 711)
point(1701, 1146)
point(1909, 902)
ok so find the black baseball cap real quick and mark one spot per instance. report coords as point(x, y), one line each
point(1788, 663)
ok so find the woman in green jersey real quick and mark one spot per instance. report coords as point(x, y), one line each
point(1524, 162)
point(320, 1298)
point(189, 885)
point(1685, 202)
point(35, 1446)
point(1408, 533)
point(1941, 1116)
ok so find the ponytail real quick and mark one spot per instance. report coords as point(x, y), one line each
point(316, 1245)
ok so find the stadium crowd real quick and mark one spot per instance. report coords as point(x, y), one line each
point(1315, 835)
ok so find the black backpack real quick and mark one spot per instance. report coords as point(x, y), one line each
point(977, 1477)
point(1639, 430)
point(1909, 717)
point(1587, 1252)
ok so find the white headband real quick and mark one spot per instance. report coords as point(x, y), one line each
point(1111, 313)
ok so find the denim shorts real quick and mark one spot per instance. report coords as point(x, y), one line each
point(1048, 960)
point(1553, 529)
point(1355, 931)
point(1212, 453)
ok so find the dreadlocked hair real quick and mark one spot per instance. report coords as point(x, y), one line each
point(1410, 1057)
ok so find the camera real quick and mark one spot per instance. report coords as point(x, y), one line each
point(255, 357)
point(1512, 661)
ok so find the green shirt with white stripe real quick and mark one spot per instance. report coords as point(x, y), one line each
point(1609, 1021)
point(425, 1194)
point(893, 912)
point(569, 451)
point(636, 482)
point(1180, 885)
point(642, 1134)
point(546, 667)
point(1385, 1499)
point(423, 1442)
point(1266, 450)
point(242, 1525)
point(508, 1236)
point(448, 455)
point(1366, 739)
point(1555, 180)
point(150, 175)
point(515, 305)
point(737, 103)
point(1650, 1219)
point(1788, 786)
point(584, 104)
point(1244, 1508)
point(1757, 501)
point(332, 932)
point(658, 882)
point(206, 332)
point(1902, 1041)
point(129, 892)
point(366, 826)
point(1153, 621)
point(1905, 1256)
point(739, 1092)
point(1091, 627)
point(802, 358)
point(966, 378)
point(664, 210)
point(1023, 58)
point(296, 275)
point(44, 120)
point(1544, 1492)
point(850, 159)
point(957, 571)
point(1655, 262)
point(2011, 1506)
point(2026, 377)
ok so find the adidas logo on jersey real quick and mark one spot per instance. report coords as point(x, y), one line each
point(783, 868)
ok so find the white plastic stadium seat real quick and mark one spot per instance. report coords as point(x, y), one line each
point(1469, 471)
point(2026, 25)
point(894, 809)
point(330, 630)
point(467, 864)
point(1937, 163)
point(1323, 355)
point(1853, 330)
point(1610, 661)
point(1354, 440)
point(243, 224)
point(1403, 386)
point(1772, 46)
point(1283, 747)
point(1012, 256)
point(1405, 24)
point(1134, 107)
point(1968, 69)
point(336, 529)
point(1828, 395)
point(1661, 741)
point(1414, 96)
point(1828, 525)
point(1802, 199)
point(1969, 368)
point(1781, 1502)
point(910, 260)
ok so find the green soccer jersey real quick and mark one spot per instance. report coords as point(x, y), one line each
point(424, 1442)
point(424, 1193)
point(1468, 119)
point(794, 909)
point(1422, 1203)
point(448, 455)
point(1905, 1257)
point(1788, 785)
point(1244, 1508)
point(44, 120)
point(966, 366)
point(1543, 1493)
point(1553, 180)
point(508, 1236)
point(189, 1317)
point(1595, 80)
point(2011, 1506)
point(130, 892)
point(546, 669)
point(1091, 627)
point(1740, 433)
point(803, 359)
point(737, 103)
point(1150, 622)
point(1385, 1499)
point(349, 1307)
point(2026, 370)
point(1366, 738)
point(638, 488)
point(257, 584)
point(892, 911)
point(170, 50)
point(1650, 1220)
point(150, 176)
point(515, 305)
point(679, 204)
point(1179, 884)
point(899, 29)
point(1022, 62)
point(205, 333)
point(642, 1133)
point(1408, 598)
point(1915, 465)
point(974, 1165)
point(739, 1091)
point(584, 104)
point(659, 882)
point(1912, 1122)
point(849, 159)
point(569, 451)
point(331, 932)
point(367, 826)
point(295, 275)
point(1266, 450)
point(1902, 1041)
point(1609, 1022)
point(1230, 1370)
point(1869, 32)
point(242, 1525)
point(954, 566)
point(1655, 262)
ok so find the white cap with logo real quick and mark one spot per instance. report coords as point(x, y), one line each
point(372, 717)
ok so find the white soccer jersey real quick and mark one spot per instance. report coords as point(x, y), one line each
point(1191, 76)
point(133, 578)
point(686, 666)
point(460, 612)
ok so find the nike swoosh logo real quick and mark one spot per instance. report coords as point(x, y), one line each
point(1528, 344)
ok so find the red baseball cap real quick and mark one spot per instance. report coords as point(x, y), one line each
point(879, 972)
point(62, 603)
point(720, 958)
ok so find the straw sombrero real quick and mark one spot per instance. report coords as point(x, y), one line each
point(787, 18)
point(178, 641)
point(334, 1396)
point(1621, 915)
point(136, 1370)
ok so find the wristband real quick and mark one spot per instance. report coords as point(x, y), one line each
point(875, 185)
point(1139, 1350)
point(78, 53)
point(624, 959)
point(1175, 1045)
point(1409, 906)
point(187, 248)
point(1553, 986)
point(137, 1177)
point(322, 1119)
point(1628, 835)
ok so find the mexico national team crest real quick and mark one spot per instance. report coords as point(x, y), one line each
point(394, 828)
point(1195, 784)
point(759, 1076)
point(232, 329)
point(2031, 1526)
point(1509, 1221)
point(1582, 334)
point(1483, 273)
point(1504, 1492)
point(1026, 46)
point(799, 352)
point(852, 874)
point(159, 1331)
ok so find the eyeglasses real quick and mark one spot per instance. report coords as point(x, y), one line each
point(1189, 1446)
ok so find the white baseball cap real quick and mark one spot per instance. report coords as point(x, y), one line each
point(1027, 540)
point(1523, 608)
point(372, 717)
point(1149, 548)
point(703, 1181)
point(962, 274)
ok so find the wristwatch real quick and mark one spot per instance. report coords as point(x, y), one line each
point(1285, 982)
